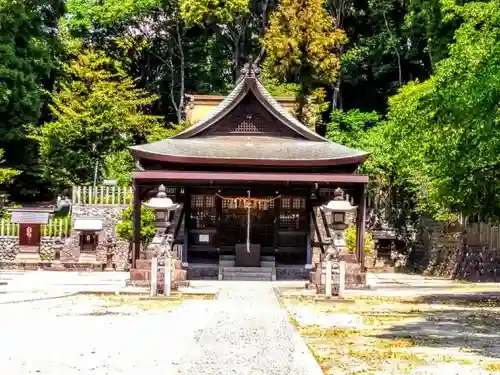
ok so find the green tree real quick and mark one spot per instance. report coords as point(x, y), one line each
point(301, 45)
point(350, 128)
point(124, 228)
point(29, 51)
point(6, 174)
point(119, 165)
point(441, 140)
point(98, 111)
point(350, 240)
point(196, 12)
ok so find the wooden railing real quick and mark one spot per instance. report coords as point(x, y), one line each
point(483, 234)
point(102, 195)
point(57, 227)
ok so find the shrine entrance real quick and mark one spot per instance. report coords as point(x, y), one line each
point(247, 223)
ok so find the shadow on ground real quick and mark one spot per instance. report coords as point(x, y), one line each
point(469, 322)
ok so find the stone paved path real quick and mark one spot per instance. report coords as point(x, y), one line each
point(247, 332)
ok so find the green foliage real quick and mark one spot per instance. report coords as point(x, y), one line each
point(350, 240)
point(350, 128)
point(302, 46)
point(198, 12)
point(278, 89)
point(442, 135)
point(98, 111)
point(124, 228)
point(87, 16)
point(119, 165)
point(6, 174)
point(28, 65)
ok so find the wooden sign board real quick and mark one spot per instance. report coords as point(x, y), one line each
point(29, 234)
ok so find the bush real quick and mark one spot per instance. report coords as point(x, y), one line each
point(124, 228)
point(350, 240)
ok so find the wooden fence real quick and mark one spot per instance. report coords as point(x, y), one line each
point(57, 227)
point(102, 195)
point(483, 234)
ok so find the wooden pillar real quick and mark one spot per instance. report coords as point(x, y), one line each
point(136, 226)
point(218, 213)
point(277, 211)
point(360, 227)
point(308, 229)
point(187, 220)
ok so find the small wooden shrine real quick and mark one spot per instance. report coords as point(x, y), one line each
point(248, 177)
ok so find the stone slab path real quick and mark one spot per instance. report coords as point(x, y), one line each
point(248, 332)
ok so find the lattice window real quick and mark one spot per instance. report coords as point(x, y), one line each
point(250, 117)
point(203, 211)
point(202, 201)
point(292, 214)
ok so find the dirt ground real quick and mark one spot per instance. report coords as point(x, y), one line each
point(445, 334)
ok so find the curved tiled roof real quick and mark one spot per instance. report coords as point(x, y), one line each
point(249, 148)
point(190, 146)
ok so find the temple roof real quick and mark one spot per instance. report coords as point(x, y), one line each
point(258, 148)
point(249, 125)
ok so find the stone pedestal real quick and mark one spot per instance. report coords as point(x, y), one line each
point(355, 274)
point(28, 254)
point(142, 274)
point(86, 258)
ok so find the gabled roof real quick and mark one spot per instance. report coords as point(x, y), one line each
point(299, 147)
point(248, 82)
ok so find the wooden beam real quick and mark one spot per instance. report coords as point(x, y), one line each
point(360, 226)
point(277, 212)
point(136, 225)
point(309, 212)
point(187, 219)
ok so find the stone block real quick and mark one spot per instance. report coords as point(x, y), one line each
point(140, 275)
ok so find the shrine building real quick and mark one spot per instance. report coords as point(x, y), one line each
point(248, 178)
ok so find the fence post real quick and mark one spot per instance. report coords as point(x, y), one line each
point(154, 276)
point(328, 278)
point(342, 278)
point(2, 228)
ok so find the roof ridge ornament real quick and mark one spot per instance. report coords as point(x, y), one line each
point(250, 70)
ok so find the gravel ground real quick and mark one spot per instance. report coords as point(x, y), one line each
point(245, 331)
point(60, 337)
point(248, 332)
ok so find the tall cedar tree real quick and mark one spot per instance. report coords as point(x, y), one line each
point(98, 111)
point(302, 46)
point(29, 48)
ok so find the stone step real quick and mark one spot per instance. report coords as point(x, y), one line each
point(226, 263)
point(267, 258)
point(248, 274)
point(247, 278)
point(248, 269)
point(267, 263)
point(227, 257)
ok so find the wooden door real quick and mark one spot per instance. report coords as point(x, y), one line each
point(29, 234)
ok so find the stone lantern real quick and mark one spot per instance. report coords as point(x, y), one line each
point(163, 206)
point(336, 210)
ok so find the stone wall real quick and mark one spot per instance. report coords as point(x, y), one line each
point(9, 247)
point(438, 252)
point(112, 215)
point(70, 250)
